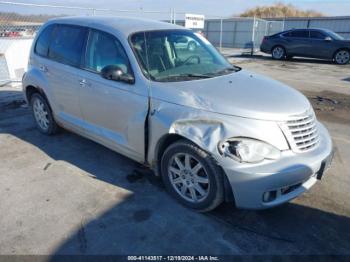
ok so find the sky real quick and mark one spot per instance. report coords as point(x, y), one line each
point(210, 8)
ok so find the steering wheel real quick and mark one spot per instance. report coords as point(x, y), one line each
point(191, 58)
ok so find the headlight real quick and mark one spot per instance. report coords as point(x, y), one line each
point(248, 150)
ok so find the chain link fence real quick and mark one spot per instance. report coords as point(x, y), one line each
point(239, 33)
point(19, 23)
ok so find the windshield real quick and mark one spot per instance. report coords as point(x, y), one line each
point(178, 55)
point(334, 35)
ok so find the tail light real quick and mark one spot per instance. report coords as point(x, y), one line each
point(264, 39)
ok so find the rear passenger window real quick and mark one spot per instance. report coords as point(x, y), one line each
point(317, 35)
point(67, 44)
point(43, 42)
point(301, 33)
point(103, 50)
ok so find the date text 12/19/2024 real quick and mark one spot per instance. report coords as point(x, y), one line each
point(173, 258)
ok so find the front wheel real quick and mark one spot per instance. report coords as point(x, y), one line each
point(342, 57)
point(192, 46)
point(278, 53)
point(192, 176)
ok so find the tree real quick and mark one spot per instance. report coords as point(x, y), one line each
point(279, 10)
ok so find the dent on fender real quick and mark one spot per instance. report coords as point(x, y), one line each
point(167, 118)
point(204, 132)
point(206, 129)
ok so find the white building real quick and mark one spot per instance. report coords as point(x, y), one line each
point(14, 55)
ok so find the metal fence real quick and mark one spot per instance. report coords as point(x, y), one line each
point(241, 33)
point(19, 23)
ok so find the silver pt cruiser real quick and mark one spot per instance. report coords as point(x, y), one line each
point(212, 131)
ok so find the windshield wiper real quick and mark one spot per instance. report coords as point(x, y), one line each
point(195, 75)
point(228, 69)
point(180, 76)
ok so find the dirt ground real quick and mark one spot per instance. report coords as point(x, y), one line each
point(330, 106)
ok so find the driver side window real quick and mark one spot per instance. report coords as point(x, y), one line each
point(103, 50)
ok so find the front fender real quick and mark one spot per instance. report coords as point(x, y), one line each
point(206, 129)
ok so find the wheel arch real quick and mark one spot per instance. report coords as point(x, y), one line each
point(31, 89)
point(169, 139)
point(35, 81)
point(163, 143)
point(280, 45)
point(339, 49)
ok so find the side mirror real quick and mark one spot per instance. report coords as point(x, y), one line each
point(328, 39)
point(115, 73)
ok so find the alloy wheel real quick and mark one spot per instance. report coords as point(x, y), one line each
point(278, 52)
point(188, 177)
point(342, 57)
point(41, 114)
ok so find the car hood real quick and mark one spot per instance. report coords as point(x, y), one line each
point(242, 93)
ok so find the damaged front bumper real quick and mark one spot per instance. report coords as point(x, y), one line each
point(274, 182)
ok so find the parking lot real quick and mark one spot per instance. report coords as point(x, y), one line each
point(67, 195)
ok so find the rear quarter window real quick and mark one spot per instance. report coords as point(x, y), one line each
point(43, 42)
point(288, 34)
point(67, 44)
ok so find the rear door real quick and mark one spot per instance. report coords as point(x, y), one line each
point(298, 42)
point(114, 112)
point(62, 69)
point(39, 60)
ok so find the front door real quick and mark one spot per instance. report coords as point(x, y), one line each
point(321, 48)
point(114, 112)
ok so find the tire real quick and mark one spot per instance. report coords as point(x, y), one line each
point(278, 52)
point(42, 115)
point(191, 46)
point(197, 183)
point(342, 57)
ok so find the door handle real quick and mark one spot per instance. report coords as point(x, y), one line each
point(43, 68)
point(84, 83)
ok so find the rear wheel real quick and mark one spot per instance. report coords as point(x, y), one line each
point(192, 176)
point(42, 115)
point(342, 57)
point(278, 53)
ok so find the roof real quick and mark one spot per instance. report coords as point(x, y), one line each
point(310, 28)
point(124, 25)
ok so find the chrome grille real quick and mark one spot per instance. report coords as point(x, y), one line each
point(301, 132)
